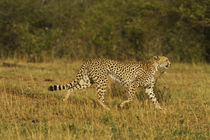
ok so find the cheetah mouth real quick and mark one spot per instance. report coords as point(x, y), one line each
point(166, 66)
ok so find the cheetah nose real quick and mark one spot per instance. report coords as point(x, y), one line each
point(168, 65)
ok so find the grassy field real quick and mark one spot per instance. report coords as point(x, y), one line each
point(29, 111)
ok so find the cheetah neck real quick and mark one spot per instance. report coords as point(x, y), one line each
point(151, 66)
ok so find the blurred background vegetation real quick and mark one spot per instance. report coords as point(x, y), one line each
point(40, 30)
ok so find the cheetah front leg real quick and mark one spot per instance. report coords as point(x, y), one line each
point(150, 92)
point(131, 93)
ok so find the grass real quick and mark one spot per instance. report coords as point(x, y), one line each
point(29, 111)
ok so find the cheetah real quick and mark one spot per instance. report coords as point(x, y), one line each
point(130, 75)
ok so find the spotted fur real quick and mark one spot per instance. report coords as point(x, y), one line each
point(131, 75)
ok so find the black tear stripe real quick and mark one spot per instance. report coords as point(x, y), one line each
point(55, 87)
point(63, 87)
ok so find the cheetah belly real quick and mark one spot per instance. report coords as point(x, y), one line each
point(119, 79)
point(115, 77)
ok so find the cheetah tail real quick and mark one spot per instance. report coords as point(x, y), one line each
point(57, 87)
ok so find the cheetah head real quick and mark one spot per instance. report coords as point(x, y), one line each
point(161, 62)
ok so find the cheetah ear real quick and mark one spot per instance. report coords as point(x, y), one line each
point(156, 58)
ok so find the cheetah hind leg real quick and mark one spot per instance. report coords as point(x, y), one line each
point(67, 95)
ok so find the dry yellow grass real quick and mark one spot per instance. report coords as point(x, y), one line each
point(29, 111)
